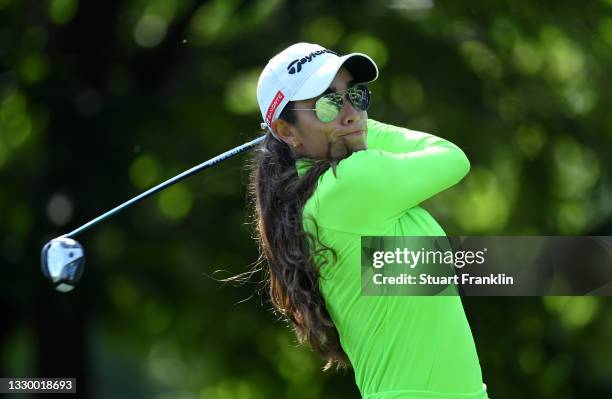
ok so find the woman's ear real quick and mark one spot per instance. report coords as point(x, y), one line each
point(284, 131)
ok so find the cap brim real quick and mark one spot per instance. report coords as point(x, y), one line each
point(361, 66)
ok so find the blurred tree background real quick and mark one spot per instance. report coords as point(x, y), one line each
point(101, 100)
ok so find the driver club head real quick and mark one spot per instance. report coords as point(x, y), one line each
point(62, 262)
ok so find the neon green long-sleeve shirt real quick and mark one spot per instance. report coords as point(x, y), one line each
point(401, 347)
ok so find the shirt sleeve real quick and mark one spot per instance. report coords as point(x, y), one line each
point(395, 139)
point(400, 169)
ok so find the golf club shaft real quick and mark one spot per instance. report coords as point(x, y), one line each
point(228, 154)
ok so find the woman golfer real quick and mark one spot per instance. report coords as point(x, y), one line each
point(326, 175)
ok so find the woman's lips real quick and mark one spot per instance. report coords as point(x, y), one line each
point(355, 133)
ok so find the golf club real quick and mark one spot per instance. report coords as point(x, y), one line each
point(63, 258)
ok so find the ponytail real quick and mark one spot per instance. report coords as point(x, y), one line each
point(278, 198)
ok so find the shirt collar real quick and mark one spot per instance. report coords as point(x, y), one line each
point(303, 164)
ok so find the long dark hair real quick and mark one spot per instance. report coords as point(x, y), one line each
point(277, 197)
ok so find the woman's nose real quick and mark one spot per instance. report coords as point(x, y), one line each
point(349, 114)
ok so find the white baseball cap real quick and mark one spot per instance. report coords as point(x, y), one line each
point(303, 71)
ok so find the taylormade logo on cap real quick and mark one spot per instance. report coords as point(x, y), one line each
point(303, 71)
point(293, 68)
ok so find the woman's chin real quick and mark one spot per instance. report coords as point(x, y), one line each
point(357, 143)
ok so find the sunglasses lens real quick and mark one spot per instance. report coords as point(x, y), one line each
point(360, 97)
point(328, 107)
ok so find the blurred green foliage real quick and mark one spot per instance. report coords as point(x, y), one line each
point(99, 101)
